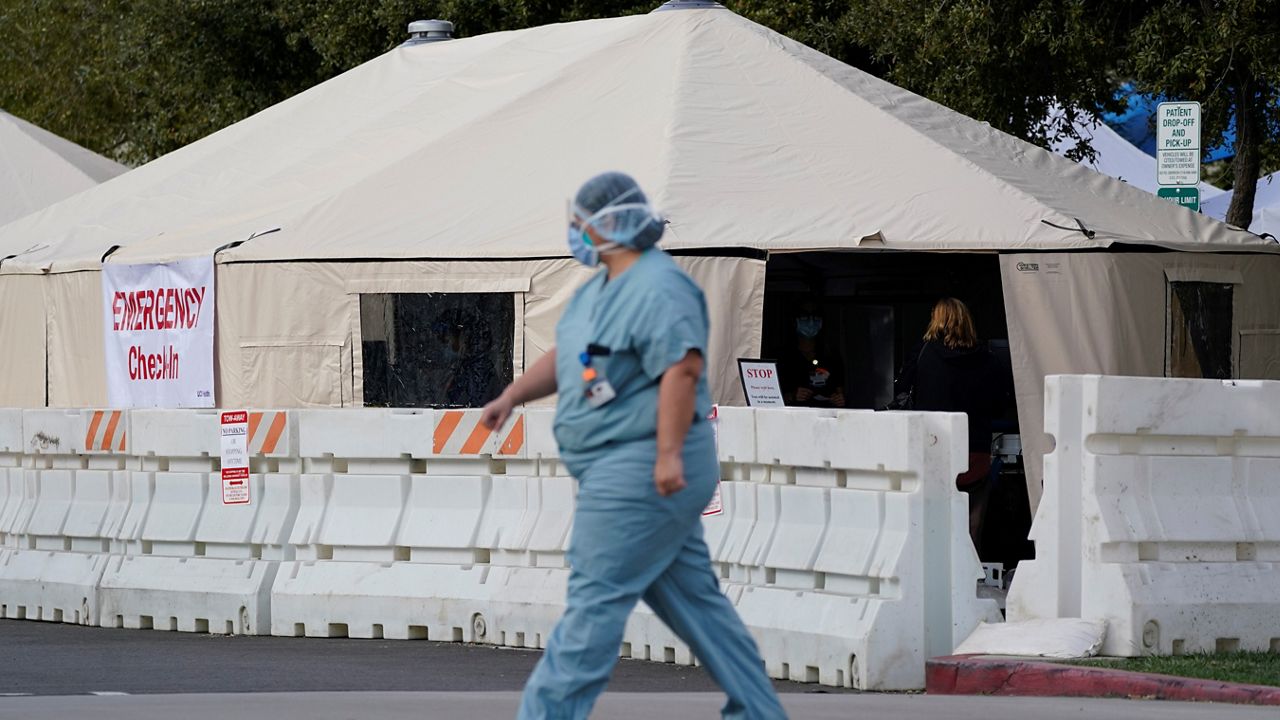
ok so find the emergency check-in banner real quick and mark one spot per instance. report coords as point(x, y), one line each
point(158, 329)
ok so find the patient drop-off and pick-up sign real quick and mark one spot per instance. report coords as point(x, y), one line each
point(1178, 152)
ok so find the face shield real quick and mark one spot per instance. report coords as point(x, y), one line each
point(621, 221)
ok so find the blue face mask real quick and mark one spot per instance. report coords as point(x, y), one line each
point(581, 248)
point(809, 326)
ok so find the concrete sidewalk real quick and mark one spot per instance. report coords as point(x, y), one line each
point(613, 706)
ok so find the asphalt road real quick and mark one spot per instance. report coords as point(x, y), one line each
point(42, 658)
point(50, 671)
point(612, 706)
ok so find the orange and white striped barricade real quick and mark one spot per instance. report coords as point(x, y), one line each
point(61, 434)
point(462, 445)
point(200, 564)
point(106, 431)
point(273, 442)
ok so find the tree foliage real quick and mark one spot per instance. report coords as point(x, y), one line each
point(1012, 63)
point(1225, 54)
point(1008, 62)
point(57, 69)
point(135, 79)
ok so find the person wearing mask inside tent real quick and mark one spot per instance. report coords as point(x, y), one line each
point(810, 376)
point(630, 422)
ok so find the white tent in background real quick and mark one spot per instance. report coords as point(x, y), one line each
point(444, 168)
point(1119, 158)
point(38, 168)
point(1266, 206)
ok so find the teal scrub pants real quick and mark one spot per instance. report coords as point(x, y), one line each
point(629, 543)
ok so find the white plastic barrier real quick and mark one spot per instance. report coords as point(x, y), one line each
point(12, 447)
point(193, 563)
point(60, 514)
point(1161, 514)
point(525, 530)
point(382, 548)
point(11, 453)
point(853, 558)
point(843, 541)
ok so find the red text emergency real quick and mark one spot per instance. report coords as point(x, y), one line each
point(172, 308)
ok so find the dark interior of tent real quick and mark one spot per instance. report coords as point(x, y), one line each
point(875, 307)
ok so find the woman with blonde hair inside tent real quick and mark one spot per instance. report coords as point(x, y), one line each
point(953, 372)
point(631, 423)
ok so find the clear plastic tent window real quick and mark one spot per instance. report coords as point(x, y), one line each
point(436, 349)
point(1200, 329)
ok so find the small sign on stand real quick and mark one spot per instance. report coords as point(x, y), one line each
point(235, 457)
point(760, 382)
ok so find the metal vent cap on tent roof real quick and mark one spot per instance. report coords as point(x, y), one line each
point(427, 31)
point(688, 5)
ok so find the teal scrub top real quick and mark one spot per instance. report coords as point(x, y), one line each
point(649, 317)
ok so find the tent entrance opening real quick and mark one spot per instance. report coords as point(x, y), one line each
point(860, 317)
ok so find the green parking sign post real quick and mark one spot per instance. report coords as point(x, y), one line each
point(1187, 197)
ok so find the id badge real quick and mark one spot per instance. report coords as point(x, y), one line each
point(599, 392)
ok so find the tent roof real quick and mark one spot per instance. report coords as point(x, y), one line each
point(38, 168)
point(469, 149)
point(1266, 206)
point(1120, 158)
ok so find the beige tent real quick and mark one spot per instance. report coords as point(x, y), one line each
point(38, 168)
point(445, 168)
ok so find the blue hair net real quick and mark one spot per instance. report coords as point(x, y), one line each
point(616, 208)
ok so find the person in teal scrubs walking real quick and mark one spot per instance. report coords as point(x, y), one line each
point(631, 424)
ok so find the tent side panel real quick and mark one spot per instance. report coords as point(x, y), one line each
point(553, 285)
point(1080, 313)
point(77, 364)
point(1255, 308)
point(1107, 313)
point(283, 336)
point(22, 341)
point(289, 333)
point(735, 301)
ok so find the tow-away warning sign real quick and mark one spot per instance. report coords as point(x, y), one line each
point(235, 457)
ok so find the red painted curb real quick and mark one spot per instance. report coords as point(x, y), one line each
point(976, 675)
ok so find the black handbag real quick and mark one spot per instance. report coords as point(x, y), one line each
point(906, 400)
point(903, 401)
